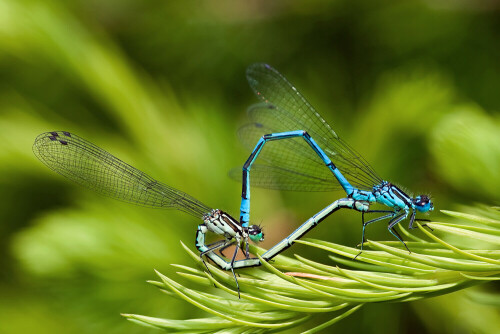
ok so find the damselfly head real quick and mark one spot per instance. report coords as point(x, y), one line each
point(423, 203)
point(255, 233)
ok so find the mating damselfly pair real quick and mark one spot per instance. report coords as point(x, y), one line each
point(283, 117)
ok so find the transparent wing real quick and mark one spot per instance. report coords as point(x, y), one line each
point(273, 177)
point(100, 171)
point(291, 163)
point(285, 109)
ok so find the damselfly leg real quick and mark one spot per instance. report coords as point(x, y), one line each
point(389, 215)
point(393, 222)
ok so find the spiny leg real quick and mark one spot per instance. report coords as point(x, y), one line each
point(425, 225)
point(391, 214)
point(373, 220)
point(217, 244)
point(413, 219)
point(395, 233)
point(232, 269)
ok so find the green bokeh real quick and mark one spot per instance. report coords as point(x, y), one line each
point(411, 85)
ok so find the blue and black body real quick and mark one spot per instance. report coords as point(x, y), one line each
point(96, 169)
point(286, 118)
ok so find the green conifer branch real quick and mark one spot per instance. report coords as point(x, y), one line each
point(288, 292)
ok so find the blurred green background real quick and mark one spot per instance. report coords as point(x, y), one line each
point(412, 85)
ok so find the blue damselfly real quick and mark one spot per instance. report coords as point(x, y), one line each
point(286, 117)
